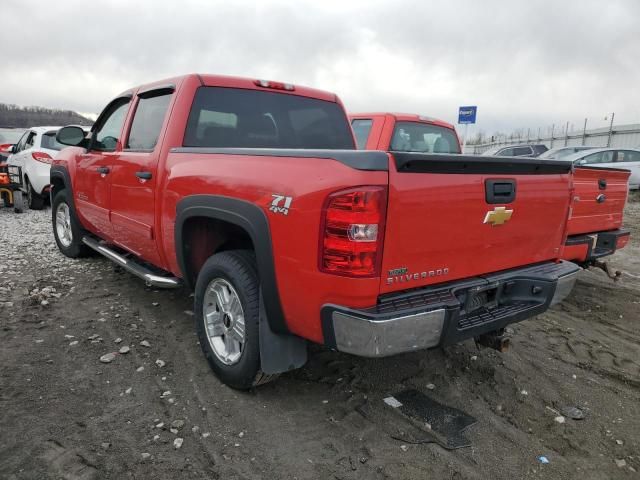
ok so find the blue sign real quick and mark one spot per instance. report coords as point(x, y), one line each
point(467, 114)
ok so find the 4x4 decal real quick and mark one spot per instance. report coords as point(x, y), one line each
point(278, 206)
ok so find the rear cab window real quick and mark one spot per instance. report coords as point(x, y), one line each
point(362, 130)
point(224, 117)
point(424, 138)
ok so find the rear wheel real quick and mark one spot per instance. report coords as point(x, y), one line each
point(66, 229)
point(34, 199)
point(227, 318)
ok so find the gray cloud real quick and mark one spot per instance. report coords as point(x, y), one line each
point(525, 64)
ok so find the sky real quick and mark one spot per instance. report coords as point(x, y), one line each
point(525, 64)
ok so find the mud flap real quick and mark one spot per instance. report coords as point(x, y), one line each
point(279, 353)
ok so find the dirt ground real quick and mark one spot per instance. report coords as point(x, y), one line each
point(66, 415)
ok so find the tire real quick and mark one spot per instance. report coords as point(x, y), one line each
point(34, 199)
point(232, 273)
point(18, 203)
point(70, 244)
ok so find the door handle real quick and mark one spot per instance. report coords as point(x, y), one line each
point(103, 170)
point(144, 175)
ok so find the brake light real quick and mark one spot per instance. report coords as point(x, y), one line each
point(42, 157)
point(352, 232)
point(275, 85)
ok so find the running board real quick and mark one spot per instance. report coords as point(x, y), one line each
point(150, 278)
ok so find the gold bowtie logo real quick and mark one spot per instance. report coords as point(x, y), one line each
point(498, 216)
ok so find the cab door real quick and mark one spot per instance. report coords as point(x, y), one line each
point(92, 186)
point(629, 160)
point(134, 179)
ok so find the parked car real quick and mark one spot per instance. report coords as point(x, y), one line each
point(8, 138)
point(529, 150)
point(561, 152)
point(594, 227)
point(621, 158)
point(33, 153)
point(252, 193)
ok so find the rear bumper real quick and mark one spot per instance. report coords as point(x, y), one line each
point(590, 247)
point(442, 315)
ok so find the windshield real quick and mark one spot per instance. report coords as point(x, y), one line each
point(239, 118)
point(424, 138)
point(10, 135)
point(49, 141)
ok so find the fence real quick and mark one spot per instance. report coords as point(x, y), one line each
point(623, 136)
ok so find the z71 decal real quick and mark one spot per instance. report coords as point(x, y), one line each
point(280, 204)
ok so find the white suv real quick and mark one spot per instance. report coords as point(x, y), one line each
point(33, 153)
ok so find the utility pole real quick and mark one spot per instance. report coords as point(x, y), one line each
point(584, 132)
point(610, 129)
point(566, 134)
point(528, 131)
point(553, 127)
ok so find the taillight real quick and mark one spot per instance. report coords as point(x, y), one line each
point(275, 85)
point(352, 232)
point(622, 241)
point(42, 157)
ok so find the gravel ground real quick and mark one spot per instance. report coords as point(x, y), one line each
point(155, 410)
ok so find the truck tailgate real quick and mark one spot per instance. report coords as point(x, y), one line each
point(598, 201)
point(452, 216)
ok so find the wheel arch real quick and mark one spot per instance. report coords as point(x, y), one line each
point(253, 225)
point(61, 180)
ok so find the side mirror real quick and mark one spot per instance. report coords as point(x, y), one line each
point(582, 162)
point(72, 135)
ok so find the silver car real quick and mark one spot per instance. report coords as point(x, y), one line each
point(623, 158)
point(561, 152)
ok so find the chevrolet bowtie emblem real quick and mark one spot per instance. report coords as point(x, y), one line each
point(498, 216)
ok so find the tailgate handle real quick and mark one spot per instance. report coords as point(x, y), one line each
point(602, 184)
point(500, 191)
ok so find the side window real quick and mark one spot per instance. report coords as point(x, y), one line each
point(107, 134)
point(628, 156)
point(361, 129)
point(31, 139)
point(522, 151)
point(506, 152)
point(600, 157)
point(147, 122)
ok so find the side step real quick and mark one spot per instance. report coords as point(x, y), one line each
point(150, 278)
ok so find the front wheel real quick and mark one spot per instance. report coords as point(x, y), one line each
point(227, 318)
point(66, 229)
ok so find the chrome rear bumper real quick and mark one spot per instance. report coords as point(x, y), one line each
point(441, 315)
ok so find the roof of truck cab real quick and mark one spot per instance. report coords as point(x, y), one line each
point(211, 80)
point(406, 117)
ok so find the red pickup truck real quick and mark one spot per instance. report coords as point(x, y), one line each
point(594, 229)
point(253, 194)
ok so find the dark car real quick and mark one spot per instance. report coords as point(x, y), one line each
point(528, 150)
